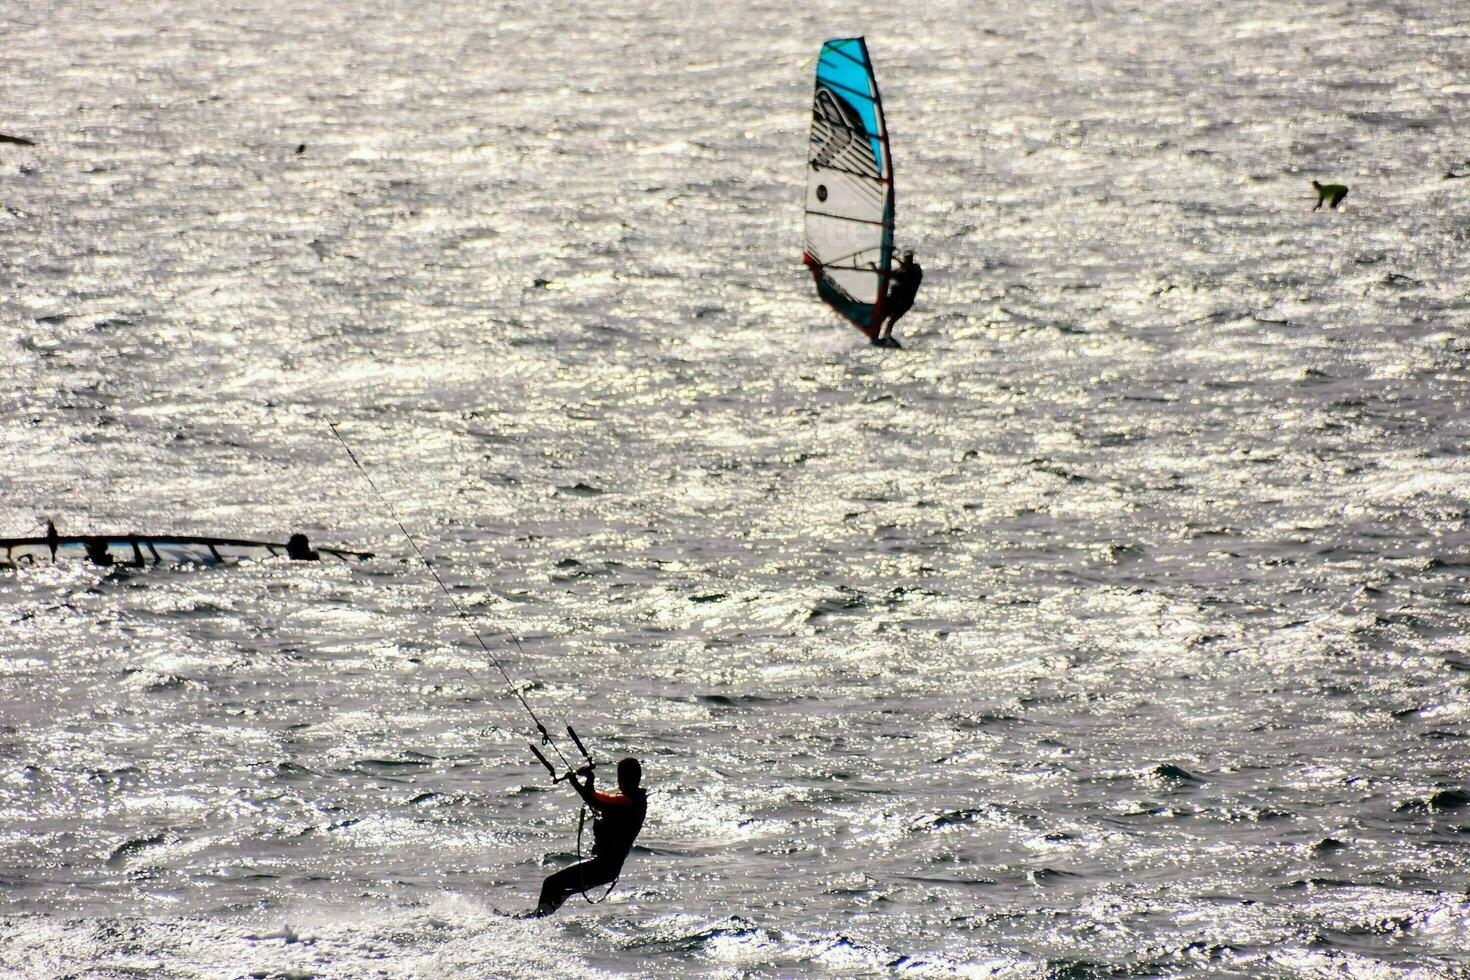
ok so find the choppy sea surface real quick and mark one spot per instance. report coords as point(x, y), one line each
point(1117, 626)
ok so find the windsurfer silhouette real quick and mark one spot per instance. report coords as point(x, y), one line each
point(903, 286)
point(617, 819)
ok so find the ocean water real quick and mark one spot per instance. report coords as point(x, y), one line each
point(1117, 626)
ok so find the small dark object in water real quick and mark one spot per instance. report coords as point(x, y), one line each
point(17, 140)
point(1331, 194)
point(298, 549)
point(300, 148)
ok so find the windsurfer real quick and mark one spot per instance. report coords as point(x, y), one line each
point(617, 819)
point(903, 286)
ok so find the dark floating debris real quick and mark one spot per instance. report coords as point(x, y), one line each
point(300, 148)
point(16, 140)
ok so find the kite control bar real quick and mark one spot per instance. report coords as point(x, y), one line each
point(580, 747)
point(576, 740)
point(546, 762)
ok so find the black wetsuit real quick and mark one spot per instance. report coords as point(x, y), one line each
point(617, 819)
point(903, 286)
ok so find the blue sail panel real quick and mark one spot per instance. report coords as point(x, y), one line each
point(844, 67)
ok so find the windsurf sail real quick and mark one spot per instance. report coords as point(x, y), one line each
point(137, 551)
point(849, 186)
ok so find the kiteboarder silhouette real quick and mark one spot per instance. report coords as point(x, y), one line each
point(616, 820)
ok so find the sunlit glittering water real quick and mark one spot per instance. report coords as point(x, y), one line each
point(1119, 624)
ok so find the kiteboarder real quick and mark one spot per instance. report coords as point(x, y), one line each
point(903, 286)
point(617, 818)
